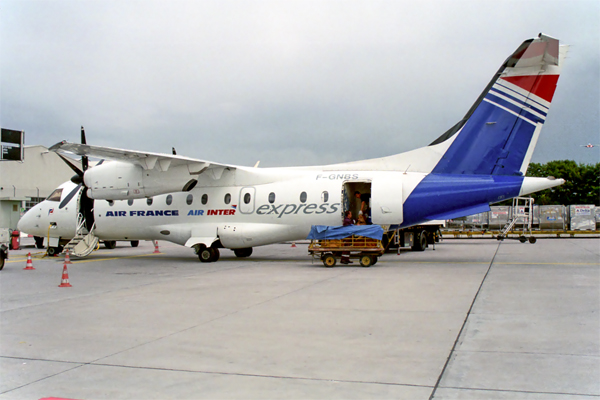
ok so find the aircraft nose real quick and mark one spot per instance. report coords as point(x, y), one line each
point(27, 223)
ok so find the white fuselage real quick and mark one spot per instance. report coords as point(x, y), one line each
point(266, 206)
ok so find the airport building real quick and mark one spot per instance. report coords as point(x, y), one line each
point(25, 183)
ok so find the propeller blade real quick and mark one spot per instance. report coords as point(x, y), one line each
point(84, 159)
point(71, 165)
point(68, 197)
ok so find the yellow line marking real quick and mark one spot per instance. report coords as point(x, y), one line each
point(544, 263)
point(82, 261)
point(495, 263)
point(110, 258)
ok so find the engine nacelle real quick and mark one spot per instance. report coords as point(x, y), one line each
point(117, 180)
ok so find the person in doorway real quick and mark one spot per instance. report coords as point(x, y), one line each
point(362, 200)
point(348, 218)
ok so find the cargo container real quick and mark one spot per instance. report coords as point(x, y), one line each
point(498, 217)
point(477, 221)
point(552, 217)
point(582, 217)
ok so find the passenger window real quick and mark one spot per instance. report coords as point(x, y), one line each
point(303, 197)
point(169, 200)
point(204, 198)
point(271, 197)
point(55, 196)
point(149, 201)
point(227, 198)
point(247, 198)
point(189, 199)
point(130, 202)
point(325, 196)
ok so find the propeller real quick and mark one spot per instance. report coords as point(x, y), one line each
point(84, 159)
point(87, 204)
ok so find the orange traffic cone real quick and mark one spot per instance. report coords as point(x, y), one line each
point(293, 244)
point(65, 278)
point(67, 257)
point(156, 247)
point(29, 264)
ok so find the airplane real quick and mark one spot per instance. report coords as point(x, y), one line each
point(208, 206)
point(589, 145)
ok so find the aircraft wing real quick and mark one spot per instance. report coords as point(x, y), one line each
point(146, 160)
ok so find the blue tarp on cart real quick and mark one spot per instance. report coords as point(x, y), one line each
point(341, 232)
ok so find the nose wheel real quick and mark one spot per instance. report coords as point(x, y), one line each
point(53, 251)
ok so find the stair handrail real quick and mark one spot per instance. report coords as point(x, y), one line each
point(80, 223)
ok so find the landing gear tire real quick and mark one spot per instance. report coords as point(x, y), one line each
point(420, 241)
point(366, 261)
point(247, 252)
point(135, 243)
point(39, 242)
point(209, 254)
point(52, 251)
point(216, 254)
point(205, 254)
point(110, 244)
point(329, 260)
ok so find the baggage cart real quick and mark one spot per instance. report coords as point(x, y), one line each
point(331, 243)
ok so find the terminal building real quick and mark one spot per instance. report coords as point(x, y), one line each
point(25, 183)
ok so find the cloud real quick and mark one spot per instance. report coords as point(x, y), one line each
point(289, 83)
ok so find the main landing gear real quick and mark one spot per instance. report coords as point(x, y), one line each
point(242, 253)
point(207, 254)
point(212, 254)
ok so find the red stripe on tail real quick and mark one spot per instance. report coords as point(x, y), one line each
point(541, 85)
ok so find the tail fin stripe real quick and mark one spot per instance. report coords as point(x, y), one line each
point(517, 92)
point(510, 111)
point(516, 106)
point(521, 100)
point(542, 86)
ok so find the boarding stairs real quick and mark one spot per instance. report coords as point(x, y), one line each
point(522, 214)
point(84, 241)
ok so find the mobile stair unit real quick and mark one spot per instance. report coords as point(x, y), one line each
point(84, 241)
point(522, 214)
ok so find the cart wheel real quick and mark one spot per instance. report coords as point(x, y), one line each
point(365, 261)
point(522, 239)
point(374, 260)
point(532, 239)
point(329, 260)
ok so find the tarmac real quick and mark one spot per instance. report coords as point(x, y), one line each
point(472, 319)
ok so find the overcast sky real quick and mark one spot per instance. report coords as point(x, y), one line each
point(283, 82)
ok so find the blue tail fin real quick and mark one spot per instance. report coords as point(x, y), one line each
point(498, 134)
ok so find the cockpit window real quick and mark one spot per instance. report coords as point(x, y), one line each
point(55, 196)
